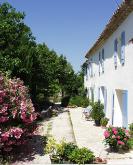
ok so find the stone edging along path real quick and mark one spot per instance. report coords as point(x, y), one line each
point(90, 136)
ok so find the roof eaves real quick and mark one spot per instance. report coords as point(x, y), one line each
point(118, 17)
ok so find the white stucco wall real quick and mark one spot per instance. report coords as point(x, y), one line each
point(120, 78)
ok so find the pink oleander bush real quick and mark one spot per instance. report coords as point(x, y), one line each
point(116, 137)
point(17, 114)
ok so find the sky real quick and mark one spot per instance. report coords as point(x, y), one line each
point(70, 27)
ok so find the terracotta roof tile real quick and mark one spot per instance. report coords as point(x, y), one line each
point(118, 17)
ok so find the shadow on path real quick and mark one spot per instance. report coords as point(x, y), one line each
point(28, 152)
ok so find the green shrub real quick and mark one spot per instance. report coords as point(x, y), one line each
point(65, 101)
point(79, 101)
point(81, 156)
point(97, 111)
point(51, 146)
point(68, 149)
point(131, 129)
point(104, 121)
point(130, 143)
point(63, 151)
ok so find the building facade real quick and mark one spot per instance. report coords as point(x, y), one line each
point(109, 67)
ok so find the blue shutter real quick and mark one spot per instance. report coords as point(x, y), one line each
point(99, 94)
point(103, 60)
point(99, 62)
point(123, 47)
point(105, 100)
point(91, 68)
point(115, 52)
point(113, 102)
point(87, 72)
point(125, 108)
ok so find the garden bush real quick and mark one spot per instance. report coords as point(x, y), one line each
point(116, 137)
point(130, 143)
point(81, 156)
point(104, 121)
point(17, 114)
point(79, 101)
point(130, 140)
point(68, 149)
point(65, 101)
point(64, 152)
point(97, 111)
point(131, 130)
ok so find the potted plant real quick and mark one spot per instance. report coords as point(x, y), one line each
point(116, 138)
point(97, 112)
point(104, 122)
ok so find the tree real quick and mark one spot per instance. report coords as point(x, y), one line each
point(47, 76)
point(16, 43)
point(42, 70)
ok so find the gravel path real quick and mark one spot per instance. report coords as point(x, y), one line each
point(59, 127)
point(62, 128)
point(90, 136)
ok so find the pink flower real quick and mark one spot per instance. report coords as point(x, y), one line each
point(5, 136)
point(3, 119)
point(23, 106)
point(106, 134)
point(2, 93)
point(14, 113)
point(15, 106)
point(4, 109)
point(33, 117)
point(115, 132)
point(113, 136)
point(127, 133)
point(120, 142)
point(118, 137)
point(114, 129)
point(16, 132)
point(125, 139)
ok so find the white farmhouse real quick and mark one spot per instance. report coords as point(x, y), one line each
point(109, 67)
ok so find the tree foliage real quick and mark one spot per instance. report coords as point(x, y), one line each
point(42, 70)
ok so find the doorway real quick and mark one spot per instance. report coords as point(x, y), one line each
point(120, 110)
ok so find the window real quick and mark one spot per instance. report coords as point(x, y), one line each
point(123, 48)
point(115, 52)
point(102, 62)
point(99, 63)
point(86, 72)
point(91, 66)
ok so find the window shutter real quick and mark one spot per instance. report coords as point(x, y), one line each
point(113, 102)
point(99, 94)
point(125, 108)
point(123, 47)
point(103, 60)
point(86, 72)
point(99, 62)
point(105, 100)
point(115, 52)
point(91, 69)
